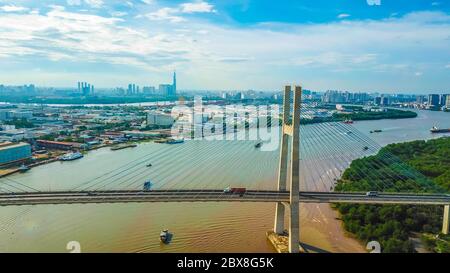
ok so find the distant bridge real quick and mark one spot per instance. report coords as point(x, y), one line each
point(86, 197)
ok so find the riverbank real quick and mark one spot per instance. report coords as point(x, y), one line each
point(418, 166)
point(363, 116)
point(4, 172)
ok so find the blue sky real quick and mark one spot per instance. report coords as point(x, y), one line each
point(356, 45)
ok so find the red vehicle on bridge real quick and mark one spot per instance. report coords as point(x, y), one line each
point(240, 191)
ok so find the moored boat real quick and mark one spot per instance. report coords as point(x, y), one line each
point(175, 141)
point(71, 156)
point(23, 168)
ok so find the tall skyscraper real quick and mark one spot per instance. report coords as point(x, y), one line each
point(130, 89)
point(85, 88)
point(174, 84)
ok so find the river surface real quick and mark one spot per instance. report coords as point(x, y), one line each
point(326, 149)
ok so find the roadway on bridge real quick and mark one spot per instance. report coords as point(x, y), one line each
point(84, 197)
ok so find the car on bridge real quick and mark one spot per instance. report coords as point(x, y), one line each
point(372, 193)
point(148, 186)
point(230, 190)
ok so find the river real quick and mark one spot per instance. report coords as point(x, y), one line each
point(197, 227)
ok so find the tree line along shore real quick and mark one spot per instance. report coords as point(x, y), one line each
point(417, 166)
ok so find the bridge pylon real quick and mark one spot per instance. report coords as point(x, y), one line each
point(290, 131)
point(446, 220)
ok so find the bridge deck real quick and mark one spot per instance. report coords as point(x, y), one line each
point(83, 197)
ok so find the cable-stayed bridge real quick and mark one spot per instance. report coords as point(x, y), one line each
point(311, 160)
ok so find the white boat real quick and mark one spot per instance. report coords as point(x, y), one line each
point(71, 156)
point(24, 168)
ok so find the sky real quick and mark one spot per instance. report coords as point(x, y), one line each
point(386, 46)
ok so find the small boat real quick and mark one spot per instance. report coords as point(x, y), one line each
point(348, 121)
point(175, 141)
point(164, 236)
point(376, 131)
point(435, 129)
point(258, 145)
point(71, 156)
point(23, 168)
point(149, 165)
point(365, 148)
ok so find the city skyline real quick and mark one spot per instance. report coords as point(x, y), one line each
point(396, 47)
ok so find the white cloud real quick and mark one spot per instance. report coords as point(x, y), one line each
point(73, 2)
point(91, 3)
point(119, 13)
point(94, 3)
point(396, 46)
point(343, 15)
point(173, 14)
point(200, 7)
point(165, 14)
point(12, 8)
point(61, 35)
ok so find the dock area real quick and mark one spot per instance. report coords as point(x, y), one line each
point(120, 147)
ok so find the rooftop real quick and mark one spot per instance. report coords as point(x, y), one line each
point(7, 145)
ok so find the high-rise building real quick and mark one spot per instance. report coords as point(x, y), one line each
point(443, 100)
point(420, 99)
point(447, 101)
point(159, 119)
point(174, 84)
point(130, 89)
point(85, 88)
point(433, 100)
point(165, 89)
point(377, 101)
point(148, 90)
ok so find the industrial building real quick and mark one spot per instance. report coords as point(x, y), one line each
point(57, 145)
point(14, 152)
